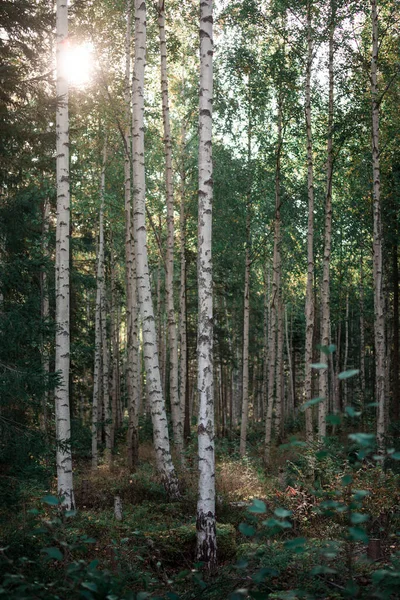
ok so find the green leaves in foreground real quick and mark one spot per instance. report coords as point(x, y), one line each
point(53, 553)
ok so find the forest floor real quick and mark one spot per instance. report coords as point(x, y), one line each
point(292, 542)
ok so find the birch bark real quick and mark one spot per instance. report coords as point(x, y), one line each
point(205, 522)
point(177, 408)
point(309, 308)
point(325, 289)
point(62, 342)
point(153, 380)
point(379, 319)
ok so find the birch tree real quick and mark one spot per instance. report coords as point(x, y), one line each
point(150, 351)
point(62, 343)
point(176, 406)
point(379, 319)
point(325, 289)
point(309, 308)
point(205, 521)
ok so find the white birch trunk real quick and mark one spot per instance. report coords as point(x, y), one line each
point(153, 380)
point(325, 290)
point(176, 406)
point(62, 343)
point(246, 329)
point(45, 310)
point(379, 318)
point(309, 308)
point(205, 522)
point(183, 366)
point(96, 417)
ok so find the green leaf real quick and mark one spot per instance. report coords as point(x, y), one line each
point(296, 543)
point(246, 529)
point(51, 500)
point(172, 596)
point(357, 518)
point(328, 349)
point(352, 412)
point(312, 402)
point(242, 564)
point(142, 595)
point(53, 553)
point(364, 439)
point(360, 494)
point(358, 534)
point(282, 513)
point(70, 513)
point(333, 419)
point(321, 454)
point(258, 507)
point(319, 366)
point(395, 456)
point(89, 585)
point(348, 374)
point(347, 479)
point(263, 573)
point(372, 405)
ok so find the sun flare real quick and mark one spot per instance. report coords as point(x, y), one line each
point(78, 64)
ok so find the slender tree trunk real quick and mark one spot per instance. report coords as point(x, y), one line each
point(346, 348)
point(267, 285)
point(205, 521)
point(133, 369)
point(279, 374)
point(362, 334)
point(396, 324)
point(183, 361)
point(309, 309)
point(325, 289)
point(177, 408)
point(103, 319)
point(62, 359)
point(379, 320)
point(45, 310)
point(290, 362)
point(276, 294)
point(96, 406)
point(115, 350)
point(246, 324)
point(153, 379)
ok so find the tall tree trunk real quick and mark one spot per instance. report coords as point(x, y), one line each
point(45, 310)
point(379, 320)
point(290, 363)
point(346, 348)
point(115, 349)
point(205, 520)
point(133, 368)
point(309, 309)
point(276, 293)
point(279, 416)
point(183, 359)
point(325, 289)
point(246, 327)
point(103, 318)
point(62, 359)
point(153, 379)
point(362, 334)
point(396, 324)
point(267, 285)
point(96, 406)
point(176, 407)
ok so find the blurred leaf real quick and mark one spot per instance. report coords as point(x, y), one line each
point(348, 374)
point(89, 585)
point(364, 439)
point(333, 419)
point(51, 500)
point(53, 553)
point(347, 479)
point(352, 412)
point(358, 534)
point(357, 518)
point(246, 529)
point(263, 573)
point(322, 570)
point(258, 507)
point(282, 513)
point(312, 402)
point(319, 366)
